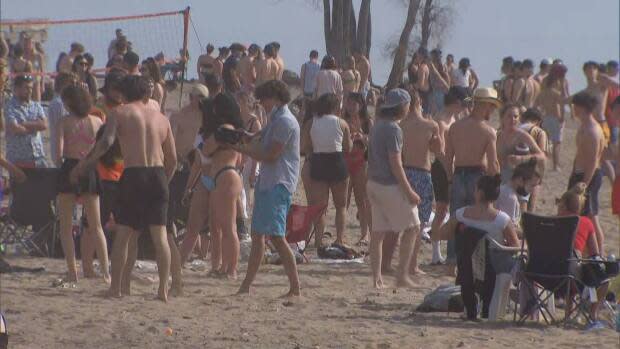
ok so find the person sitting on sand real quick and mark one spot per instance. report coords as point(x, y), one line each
point(392, 200)
point(498, 226)
point(279, 155)
point(76, 137)
point(524, 179)
point(325, 140)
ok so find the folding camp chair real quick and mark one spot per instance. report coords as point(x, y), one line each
point(30, 220)
point(300, 224)
point(548, 266)
point(466, 240)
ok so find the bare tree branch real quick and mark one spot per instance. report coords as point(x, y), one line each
point(398, 67)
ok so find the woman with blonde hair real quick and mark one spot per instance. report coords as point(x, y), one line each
point(350, 76)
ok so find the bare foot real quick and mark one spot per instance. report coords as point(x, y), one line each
point(416, 271)
point(90, 274)
point(107, 279)
point(113, 294)
point(232, 275)
point(404, 282)
point(292, 293)
point(176, 291)
point(244, 290)
point(379, 284)
point(162, 295)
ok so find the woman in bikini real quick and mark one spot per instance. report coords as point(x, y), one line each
point(225, 183)
point(360, 123)
point(350, 76)
point(76, 138)
point(151, 69)
point(514, 145)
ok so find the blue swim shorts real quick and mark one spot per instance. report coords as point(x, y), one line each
point(270, 210)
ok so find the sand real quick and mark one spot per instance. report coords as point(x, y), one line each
point(339, 309)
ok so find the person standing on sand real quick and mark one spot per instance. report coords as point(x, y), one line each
point(526, 88)
point(420, 139)
point(278, 58)
point(363, 66)
point(218, 64)
point(308, 73)
point(276, 147)
point(455, 103)
point(267, 68)
point(551, 102)
point(392, 200)
point(471, 151)
point(590, 143)
point(247, 69)
point(545, 68)
point(328, 80)
point(205, 63)
point(150, 159)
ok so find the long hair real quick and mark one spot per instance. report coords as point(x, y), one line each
point(364, 115)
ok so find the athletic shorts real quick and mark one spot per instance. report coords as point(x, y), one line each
point(270, 211)
point(143, 199)
point(420, 181)
point(615, 197)
point(390, 208)
point(441, 185)
point(554, 128)
point(591, 206)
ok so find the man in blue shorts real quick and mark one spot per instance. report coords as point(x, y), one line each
point(276, 147)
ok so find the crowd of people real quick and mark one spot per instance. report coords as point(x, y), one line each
point(236, 151)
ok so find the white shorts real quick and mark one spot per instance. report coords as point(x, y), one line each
point(391, 211)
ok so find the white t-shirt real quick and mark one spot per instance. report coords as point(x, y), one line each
point(494, 228)
point(508, 202)
point(460, 79)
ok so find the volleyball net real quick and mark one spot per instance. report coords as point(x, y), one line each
point(149, 35)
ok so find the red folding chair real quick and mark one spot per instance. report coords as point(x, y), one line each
point(300, 224)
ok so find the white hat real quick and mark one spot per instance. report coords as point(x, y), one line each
point(487, 95)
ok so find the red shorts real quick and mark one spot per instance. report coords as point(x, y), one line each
point(615, 197)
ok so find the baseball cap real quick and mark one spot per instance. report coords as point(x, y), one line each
point(200, 90)
point(546, 61)
point(395, 97)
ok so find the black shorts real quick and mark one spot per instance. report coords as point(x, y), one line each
point(328, 167)
point(176, 210)
point(143, 199)
point(87, 184)
point(441, 185)
point(109, 200)
point(591, 206)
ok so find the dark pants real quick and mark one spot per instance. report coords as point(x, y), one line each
point(462, 192)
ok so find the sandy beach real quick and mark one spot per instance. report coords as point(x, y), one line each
point(339, 308)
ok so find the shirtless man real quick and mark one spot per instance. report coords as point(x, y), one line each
point(505, 84)
point(590, 143)
point(597, 86)
point(420, 138)
point(471, 149)
point(455, 103)
point(551, 102)
point(218, 65)
point(363, 66)
point(150, 160)
point(267, 69)
point(131, 62)
point(421, 83)
point(545, 68)
point(278, 59)
point(66, 64)
point(526, 88)
point(205, 63)
point(246, 68)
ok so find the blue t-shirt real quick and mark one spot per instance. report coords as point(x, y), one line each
point(385, 137)
point(282, 128)
point(311, 69)
point(28, 147)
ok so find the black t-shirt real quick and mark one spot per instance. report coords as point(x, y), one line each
point(231, 83)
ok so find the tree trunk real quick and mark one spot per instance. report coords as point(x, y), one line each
point(426, 23)
point(338, 29)
point(347, 7)
point(327, 26)
point(363, 28)
point(398, 67)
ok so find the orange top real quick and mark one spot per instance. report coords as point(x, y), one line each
point(112, 174)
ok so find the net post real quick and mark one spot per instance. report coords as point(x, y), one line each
point(184, 58)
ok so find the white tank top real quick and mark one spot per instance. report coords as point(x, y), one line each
point(326, 134)
point(459, 78)
point(494, 228)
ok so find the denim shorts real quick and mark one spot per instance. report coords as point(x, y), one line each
point(271, 208)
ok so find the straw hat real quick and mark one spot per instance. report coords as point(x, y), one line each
point(487, 95)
